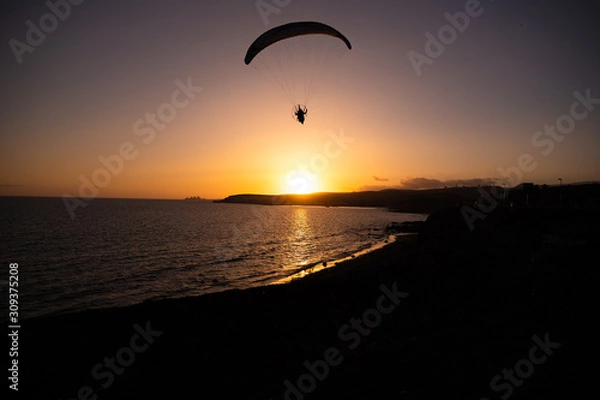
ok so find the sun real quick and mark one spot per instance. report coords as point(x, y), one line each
point(300, 182)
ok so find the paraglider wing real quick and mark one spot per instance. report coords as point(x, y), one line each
point(288, 31)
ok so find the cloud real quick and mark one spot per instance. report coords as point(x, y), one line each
point(426, 183)
point(380, 179)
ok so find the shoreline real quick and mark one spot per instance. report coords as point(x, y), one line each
point(305, 273)
point(473, 306)
point(324, 265)
point(257, 282)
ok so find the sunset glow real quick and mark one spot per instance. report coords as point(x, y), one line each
point(301, 182)
point(168, 108)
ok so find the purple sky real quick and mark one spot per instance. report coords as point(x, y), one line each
point(471, 113)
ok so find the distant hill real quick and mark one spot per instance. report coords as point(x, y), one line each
point(427, 201)
point(417, 201)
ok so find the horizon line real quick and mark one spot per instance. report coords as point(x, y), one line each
point(297, 194)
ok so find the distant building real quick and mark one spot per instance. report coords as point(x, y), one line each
point(528, 187)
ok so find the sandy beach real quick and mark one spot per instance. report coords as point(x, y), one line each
point(443, 314)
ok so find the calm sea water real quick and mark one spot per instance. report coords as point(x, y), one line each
point(122, 252)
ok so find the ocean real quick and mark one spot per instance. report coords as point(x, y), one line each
point(120, 252)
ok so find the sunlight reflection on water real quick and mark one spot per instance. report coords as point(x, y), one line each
point(123, 252)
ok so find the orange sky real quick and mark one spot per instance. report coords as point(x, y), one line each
point(476, 109)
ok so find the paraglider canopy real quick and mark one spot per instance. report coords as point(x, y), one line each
point(294, 55)
point(288, 31)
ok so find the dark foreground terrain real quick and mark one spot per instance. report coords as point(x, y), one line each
point(509, 310)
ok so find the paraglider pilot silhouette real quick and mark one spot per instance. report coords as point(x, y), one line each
point(278, 62)
point(300, 112)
